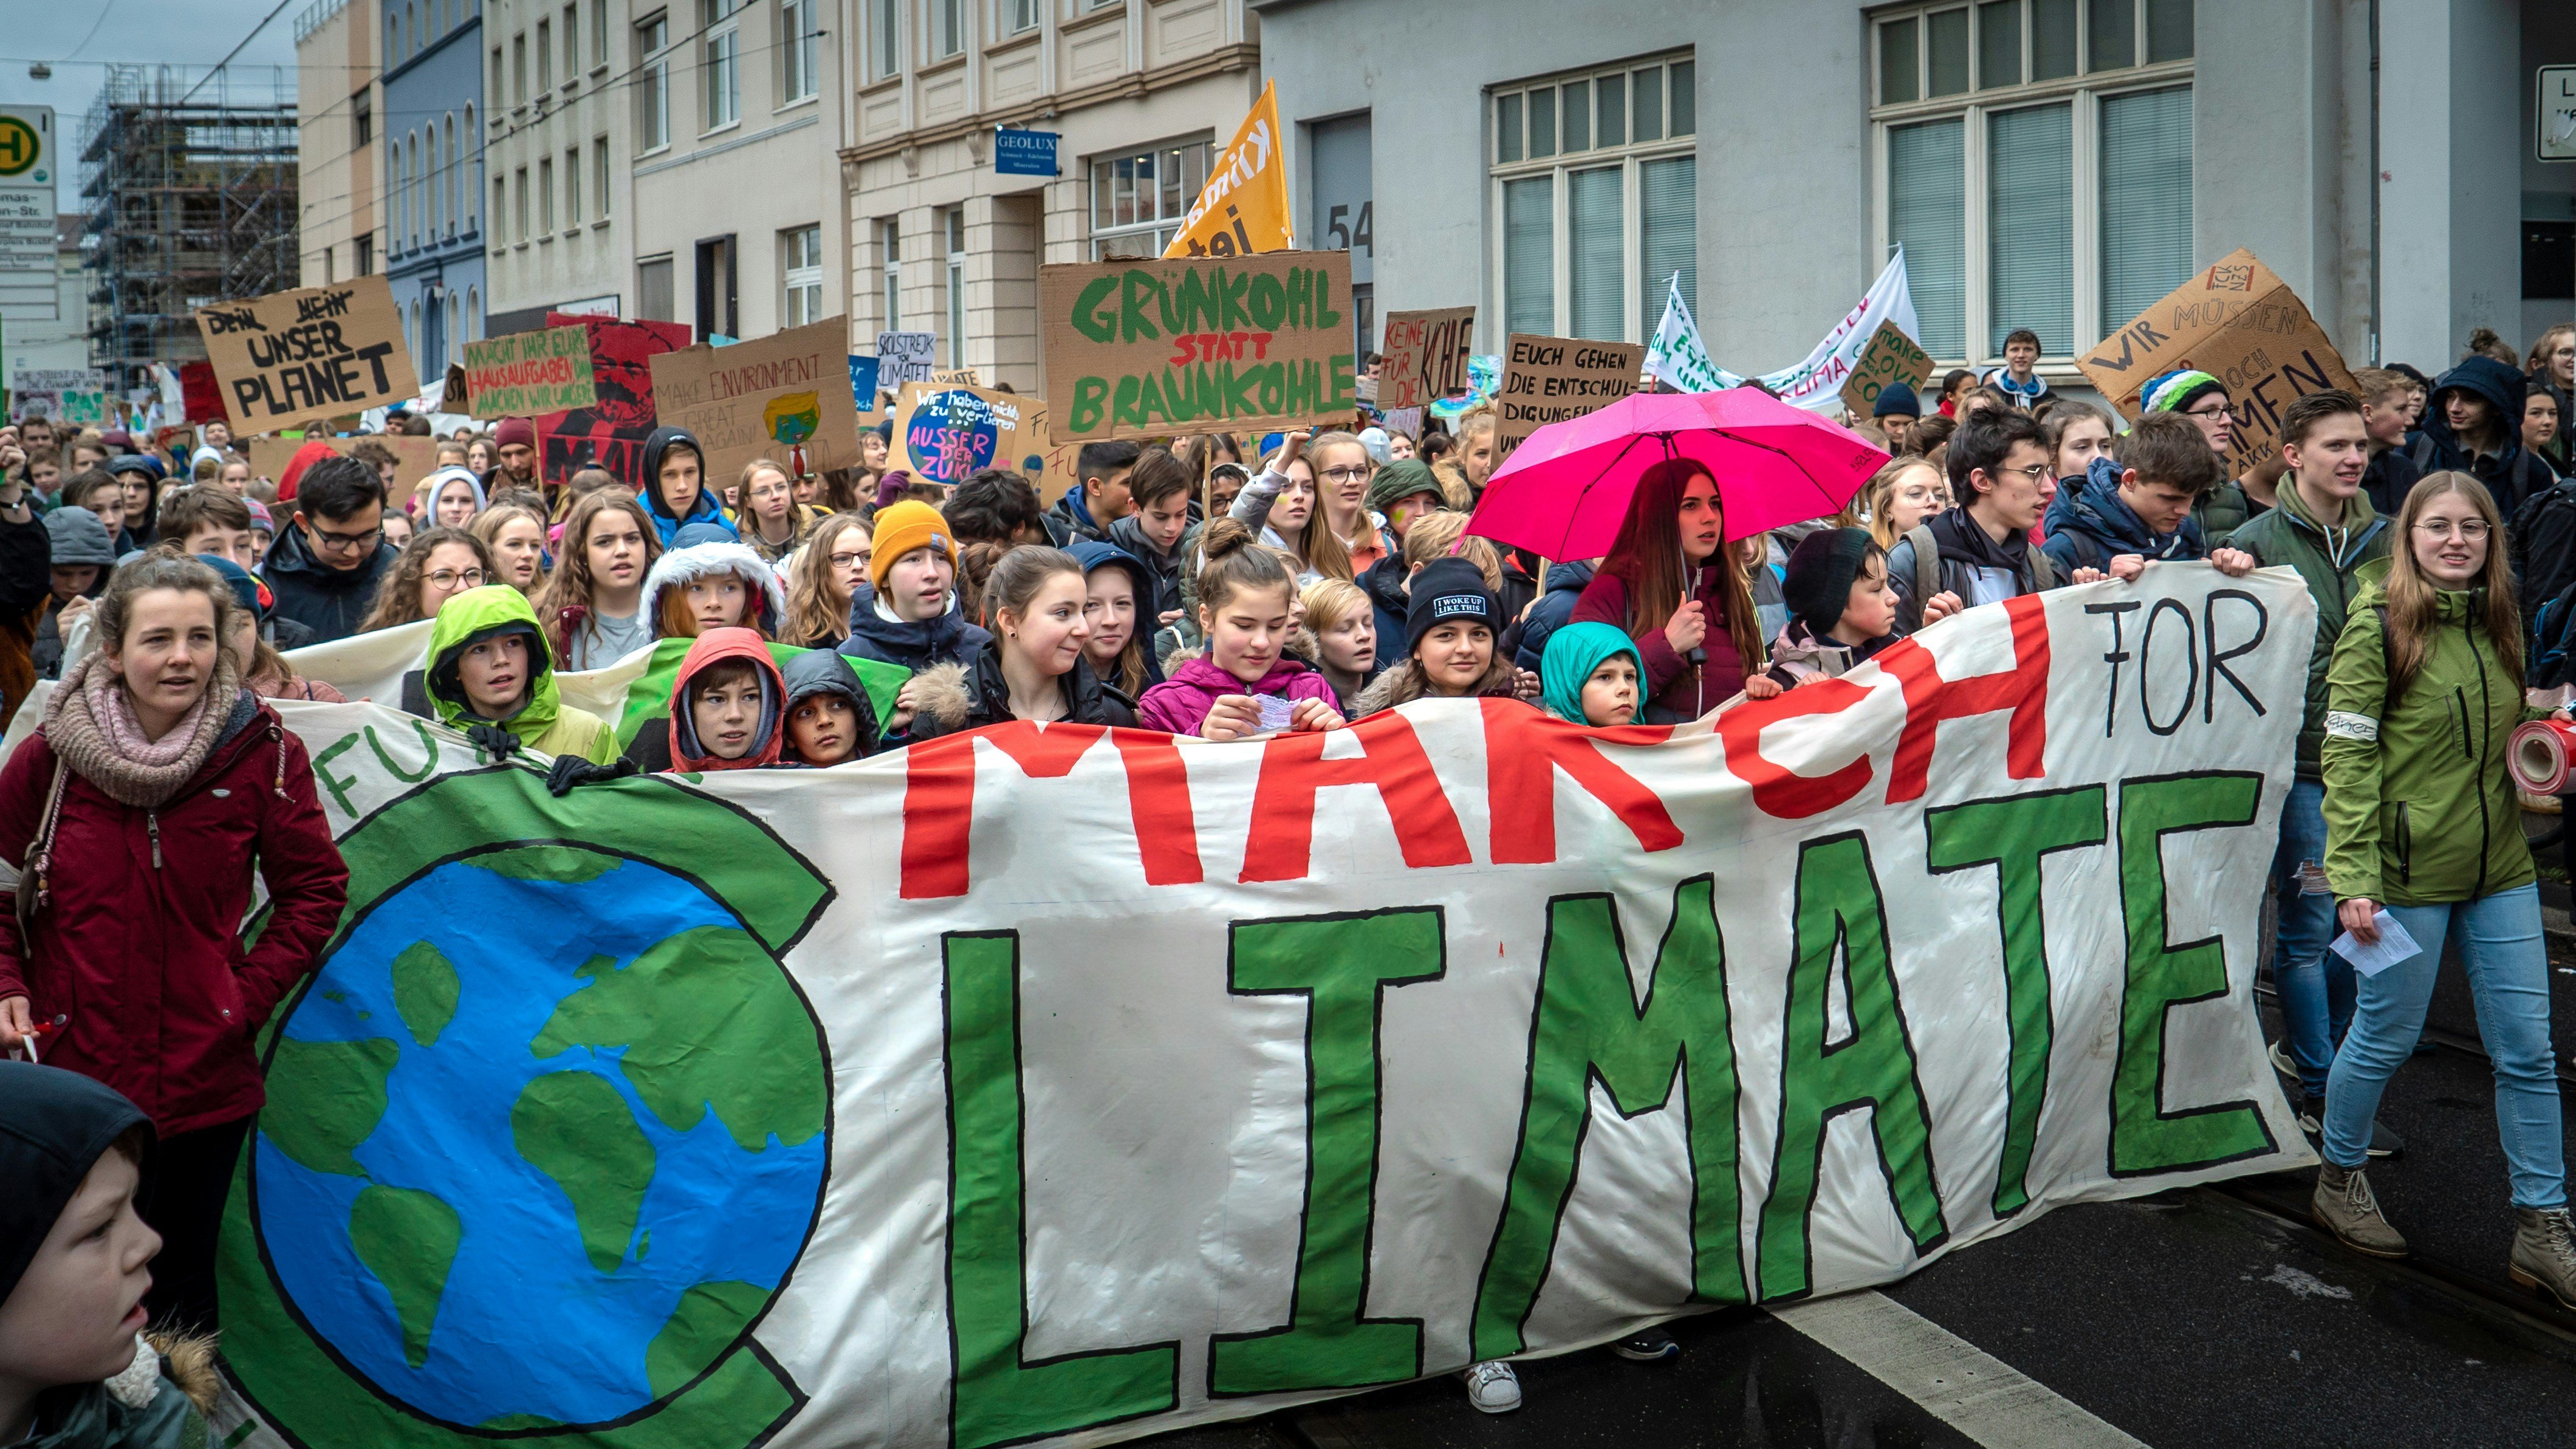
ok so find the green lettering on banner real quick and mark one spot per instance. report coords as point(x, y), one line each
point(1128, 404)
point(1588, 1025)
point(1195, 305)
point(997, 1395)
point(1325, 316)
point(2144, 1136)
point(1340, 397)
point(1301, 388)
point(338, 785)
point(2015, 834)
point(1839, 912)
point(1140, 289)
point(1342, 965)
point(429, 754)
point(1090, 399)
point(1269, 302)
point(1301, 298)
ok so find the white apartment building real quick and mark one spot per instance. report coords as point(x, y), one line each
point(339, 106)
point(1141, 93)
point(560, 87)
point(735, 108)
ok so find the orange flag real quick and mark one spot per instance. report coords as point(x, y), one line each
point(1244, 206)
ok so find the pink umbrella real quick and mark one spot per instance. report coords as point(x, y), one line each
point(1565, 490)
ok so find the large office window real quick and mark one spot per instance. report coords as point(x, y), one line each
point(1596, 182)
point(720, 66)
point(599, 173)
point(1137, 200)
point(653, 85)
point(953, 227)
point(801, 271)
point(885, 35)
point(799, 51)
point(572, 187)
point(947, 28)
point(1994, 118)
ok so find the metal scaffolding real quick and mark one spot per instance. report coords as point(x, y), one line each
point(190, 195)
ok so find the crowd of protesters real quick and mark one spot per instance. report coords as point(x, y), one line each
point(1222, 587)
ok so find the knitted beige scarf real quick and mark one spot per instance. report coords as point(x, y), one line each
point(90, 724)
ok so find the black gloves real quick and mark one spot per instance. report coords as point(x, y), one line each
point(571, 770)
point(493, 740)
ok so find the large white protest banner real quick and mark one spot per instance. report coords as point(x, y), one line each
point(1817, 383)
point(1066, 1085)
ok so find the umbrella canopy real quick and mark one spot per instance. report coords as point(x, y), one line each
point(1564, 492)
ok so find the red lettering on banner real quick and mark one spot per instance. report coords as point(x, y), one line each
point(1524, 748)
point(1280, 843)
point(1777, 790)
point(1930, 699)
point(939, 799)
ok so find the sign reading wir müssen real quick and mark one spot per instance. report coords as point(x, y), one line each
point(1151, 347)
point(313, 352)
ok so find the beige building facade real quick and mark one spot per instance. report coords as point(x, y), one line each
point(339, 104)
point(559, 90)
point(1140, 93)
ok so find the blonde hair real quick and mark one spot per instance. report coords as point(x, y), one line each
point(1330, 601)
point(487, 525)
point(1874, 508)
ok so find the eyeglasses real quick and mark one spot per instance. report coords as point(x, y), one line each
point(2470, 530)
point(1342, 475)
point(2210, 414)
point(847, 560)
point(329, 542)
point(2033, 474)
point(453, 578)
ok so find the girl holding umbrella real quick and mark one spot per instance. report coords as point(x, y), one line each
point(1674, 586)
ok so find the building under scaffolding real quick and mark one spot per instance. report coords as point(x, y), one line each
point(190, 199)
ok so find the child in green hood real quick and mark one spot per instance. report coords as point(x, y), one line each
point(490, 665)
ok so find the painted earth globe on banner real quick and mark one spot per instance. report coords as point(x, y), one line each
point(545, 1134)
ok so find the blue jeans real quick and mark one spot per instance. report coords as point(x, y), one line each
point(2313, 983)
point(2508, 966)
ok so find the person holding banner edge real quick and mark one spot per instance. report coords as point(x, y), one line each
point(2424, 689)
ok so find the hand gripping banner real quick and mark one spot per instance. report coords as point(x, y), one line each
point(1060, 1084)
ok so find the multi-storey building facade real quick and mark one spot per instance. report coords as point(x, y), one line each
point(559, 87)
point(433, 121)
point(1140, 92)
point(339, 103)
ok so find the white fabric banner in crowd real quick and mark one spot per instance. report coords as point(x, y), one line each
point(1676, 354)
point(1817, 383)
point(1067, 1085)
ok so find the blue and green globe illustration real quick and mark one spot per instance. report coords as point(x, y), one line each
point(546, 1133)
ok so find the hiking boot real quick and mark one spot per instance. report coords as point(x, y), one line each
point(2343, 1206)
point(2544, 1253)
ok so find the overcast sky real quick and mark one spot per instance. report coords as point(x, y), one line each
point(190, 33)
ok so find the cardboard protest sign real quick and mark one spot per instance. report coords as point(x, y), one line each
point(956, 377)
point(1425, 356)
point(67, 394)
point(2239, 323)
point(1316, 1063)
point(611, 432)
point(947, 434)
point(1550, 379)
point(1142, 349)
point(314, 352)
point(527, 373)
point(1889, 356)
point(417, 457)
point(863, 384)
point(781, 397)
point(903, 357)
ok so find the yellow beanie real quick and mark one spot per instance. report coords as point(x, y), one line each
point(902, 527)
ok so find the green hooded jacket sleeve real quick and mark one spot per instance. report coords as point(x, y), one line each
point(543, 723)
point(2419, 806)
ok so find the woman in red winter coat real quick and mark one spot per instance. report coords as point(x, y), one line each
point(139, 810)
point(1674, 586)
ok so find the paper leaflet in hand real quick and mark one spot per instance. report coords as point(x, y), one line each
point(1275, 712)
point(2393, 946)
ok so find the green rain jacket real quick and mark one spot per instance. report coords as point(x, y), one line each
point(2330, 560)
point(2420, 809)
point(544, 723)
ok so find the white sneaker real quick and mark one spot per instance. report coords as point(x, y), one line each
point(1492, 1386)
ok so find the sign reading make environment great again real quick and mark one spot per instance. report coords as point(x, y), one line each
point(1183, 344)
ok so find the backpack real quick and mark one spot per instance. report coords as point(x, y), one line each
point(1927, 566)
point(2549, 658)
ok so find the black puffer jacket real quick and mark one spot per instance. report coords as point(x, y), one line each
point(958, 697)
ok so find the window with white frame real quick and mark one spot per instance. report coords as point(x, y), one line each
point(470, 186)
point(720, 64)
point(947, 27)
point(451, 181)
point(545, 54)
point(1596, 183)
point(799, 51)
point(1019, 15)
point(801, 269)
point(521, 176)
point(653, 85)
point(599, 34)
point(1138, 200)
point(599, 173)
point(2035, 163)
point(546, 195)
point(885, 30)
point(519, 69)
point(572, 39)
point(890, 238)
point(953, 227)
point(500, 211)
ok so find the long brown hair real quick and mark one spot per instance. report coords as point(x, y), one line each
point(570, 584)
point(2413, 598)
point(398, 597)
point(487, 526)
point(1318, 548)
point(818, 614)
point(1647, 557)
